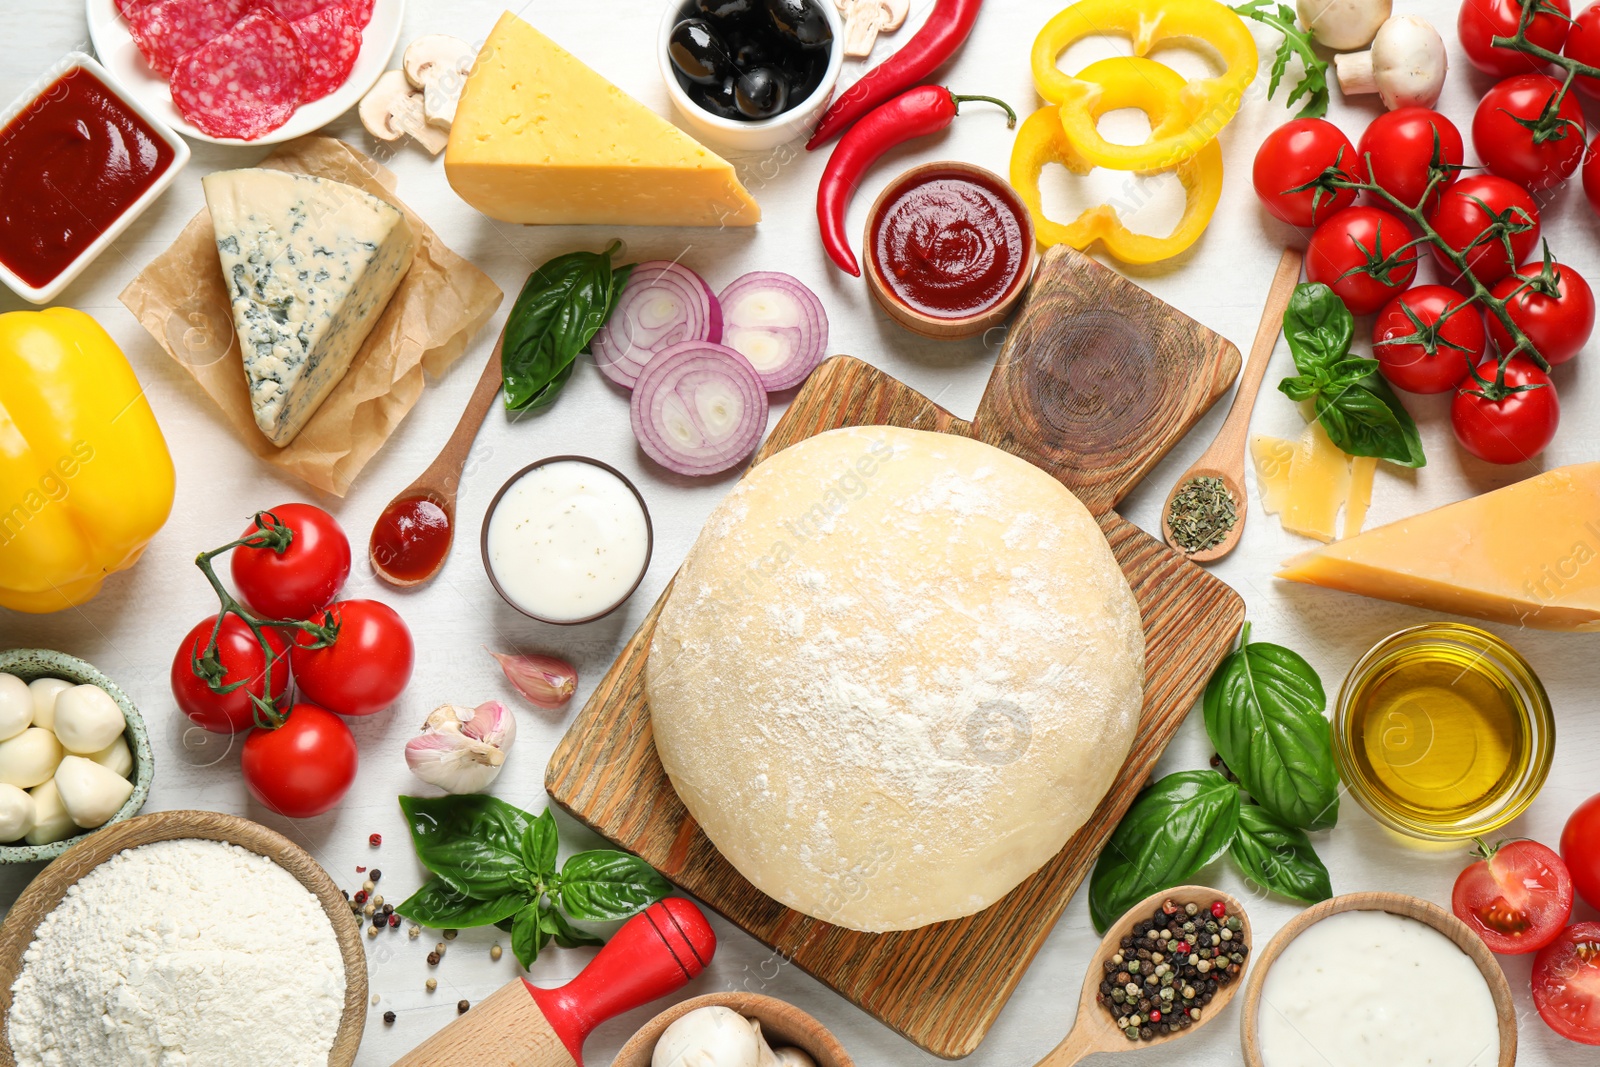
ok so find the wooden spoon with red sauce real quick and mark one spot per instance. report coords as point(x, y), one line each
point(412, 537)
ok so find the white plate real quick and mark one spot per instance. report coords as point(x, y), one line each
point(114, 46)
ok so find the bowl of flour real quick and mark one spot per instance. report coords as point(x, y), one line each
point(182, 937)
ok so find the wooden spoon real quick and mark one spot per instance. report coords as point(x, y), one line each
point(1225, 458)
point(440, 483)
point(1095, 1030)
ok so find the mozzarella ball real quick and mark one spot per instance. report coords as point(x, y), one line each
point(45, 691)
point(16, 706)
point(90, 793)
point(116, 756)
point(87, 719)
point(50, 819)
point(29, 758)
point(16, 813)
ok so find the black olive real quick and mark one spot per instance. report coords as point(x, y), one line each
point(760, 93)
point(698, 54)
point(800, 21)
point(720, 99)
point(752, 54)
point(726, 9)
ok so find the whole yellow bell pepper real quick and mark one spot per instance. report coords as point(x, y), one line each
point(85, 476)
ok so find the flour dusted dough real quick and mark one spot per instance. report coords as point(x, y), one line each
point(897, 672)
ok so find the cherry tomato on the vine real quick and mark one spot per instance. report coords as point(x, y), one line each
point(1397, 150)
point(1566, 983)
point(1583, 44)
point(242, 659)
point(1517, 897)
point(1480, 21)
point(1580, 849)
point(1360, 254)
point(1591, 176)
point(303, 767)
point(1514, 427)
point(367, 666)
point(1298, 153)
point(1430, 349)
point(1559, 323)
point(1515, 139)
point(302, 579)
point(1462, 219)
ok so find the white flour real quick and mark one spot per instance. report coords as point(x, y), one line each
point(186, 953)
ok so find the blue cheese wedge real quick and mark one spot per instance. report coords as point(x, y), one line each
point(310, 264)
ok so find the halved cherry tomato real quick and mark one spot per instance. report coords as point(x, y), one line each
point(1513, 428)
point(1516, 140)
point(1398, 149)
point(1296, 154)
point(1580, 849)
point(1480, 21)
point(1583, 44)
point(1474, 215)
point(1559, 325)
point(1427, 338)
point(1566, 983)
point(242, 660)
point(367, 666)
point(302, 579)
point(1517, 898)
point(303, 767)
point(1361, 255)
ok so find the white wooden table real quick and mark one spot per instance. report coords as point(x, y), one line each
point(132, 629)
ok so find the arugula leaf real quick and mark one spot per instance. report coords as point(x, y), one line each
point(603, 885)
point(539, 846)
point(1313, 84)
point(473, 842)
point(529, 935)
point(1174, 828)
point(560, 309)
point(440, 906)
point(1263, 711)
point(1279, 858)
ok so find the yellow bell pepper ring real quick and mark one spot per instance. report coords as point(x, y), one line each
point(1042, 141)
point(85, 476)
point(1203, 106)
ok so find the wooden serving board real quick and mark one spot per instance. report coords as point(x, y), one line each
point(1097, 381)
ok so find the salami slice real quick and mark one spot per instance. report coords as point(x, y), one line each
point(332, 41)
point(361, 9)
point(165, 29)
point(244, 83)
point(295, 10)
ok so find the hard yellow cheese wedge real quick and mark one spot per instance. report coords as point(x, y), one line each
point(1528, 554)
point(540, 138)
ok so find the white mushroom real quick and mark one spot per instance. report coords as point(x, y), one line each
point(16, 813)
point(865, 19)
point(50, 819)
point(1405, 66)
point(16, 706)
point(1343, 25)
point(45, 691)
point(90, 793)
point(437, 65)
point(789, 1056)
point(29, 758)
point(392, 110)
point(708, 1037)
point(87, 719)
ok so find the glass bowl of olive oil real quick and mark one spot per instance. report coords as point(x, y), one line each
point(1443, 732)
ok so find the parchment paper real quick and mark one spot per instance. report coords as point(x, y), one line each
point(441, 303)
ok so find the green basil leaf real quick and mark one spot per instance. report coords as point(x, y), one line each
point(1348, 372)
point(1365, 418)
point(569, 936)
point(528, 935)
point(560, 309)
point(1174, 828)
point(1263, 711)
point(473, 842)
point(603, 885)
point(1279, 857)
point(1299, 387)
point(539, 845)
point(438, 905)
point(1318, 327)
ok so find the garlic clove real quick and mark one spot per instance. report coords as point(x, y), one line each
point(461, 750)
point(90, 793)
point(546, 681)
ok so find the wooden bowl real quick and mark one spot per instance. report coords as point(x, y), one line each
point(31, 663)
point(931, 326)
point(781, 1024)
point(1395, 904)
point(46, 891)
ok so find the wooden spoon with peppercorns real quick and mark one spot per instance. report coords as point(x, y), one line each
point(1096, 1030)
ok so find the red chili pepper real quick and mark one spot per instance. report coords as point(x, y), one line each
point(924, 110)
point(941, 36)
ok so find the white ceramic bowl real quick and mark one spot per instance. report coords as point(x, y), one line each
point(736, 136)
point(47, 292)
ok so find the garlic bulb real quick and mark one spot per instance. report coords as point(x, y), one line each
point(709, 1037)
point(461, 749)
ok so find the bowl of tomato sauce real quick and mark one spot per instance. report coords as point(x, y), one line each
point(80, 159)
point(950, 250)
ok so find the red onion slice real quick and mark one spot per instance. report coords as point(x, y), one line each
point(663, 304)
point(698, 408)
point(778, 324)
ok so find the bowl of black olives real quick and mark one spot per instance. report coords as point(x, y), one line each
point(751, 74)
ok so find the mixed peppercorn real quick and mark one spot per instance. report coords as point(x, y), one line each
point(1170, 966)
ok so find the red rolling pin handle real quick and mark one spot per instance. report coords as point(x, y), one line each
point(655, 953)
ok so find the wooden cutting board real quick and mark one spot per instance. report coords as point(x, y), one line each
point(1097, 381)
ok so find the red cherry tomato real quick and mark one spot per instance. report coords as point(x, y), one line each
point(1580, 848)
point(1358, 254)
point(1517, 898)
point(367, 666)
point(1461, 221)
point(302, 768)
point(1451, 339)
point(1397, 151)
point(1480, 21)
point(1566, 983)
point(1295, 154)
point(242, 659)
point(1583, 44)
point(1510, 149)
point(1514, 428)
point(302, 579)
point(1558, 325)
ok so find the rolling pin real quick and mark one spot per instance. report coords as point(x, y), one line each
point(521, 1025)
